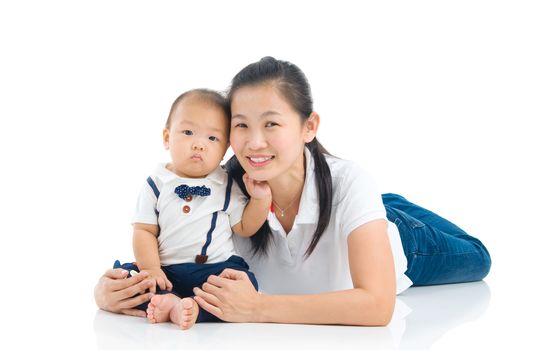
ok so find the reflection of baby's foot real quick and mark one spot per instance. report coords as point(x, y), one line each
point(184, 313)
point(160, 306)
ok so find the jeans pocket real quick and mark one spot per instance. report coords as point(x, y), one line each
point(425, 240)
point(407, 238)
point(416, 236)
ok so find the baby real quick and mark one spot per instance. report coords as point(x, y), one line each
point(186, 209)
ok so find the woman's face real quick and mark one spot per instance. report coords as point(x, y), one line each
point(266, 133)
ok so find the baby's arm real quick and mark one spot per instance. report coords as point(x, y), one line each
point(146, 253)
point(257, 209)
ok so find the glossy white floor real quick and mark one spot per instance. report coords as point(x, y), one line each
point(436, 311)
point(459, 316)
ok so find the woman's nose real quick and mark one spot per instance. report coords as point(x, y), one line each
point(256, 141)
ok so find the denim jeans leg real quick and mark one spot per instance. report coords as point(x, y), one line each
point(437, 250)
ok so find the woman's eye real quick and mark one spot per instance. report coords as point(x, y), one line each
point(187, 132)
point(213, 138)
point(240, 125)
point(271, 124)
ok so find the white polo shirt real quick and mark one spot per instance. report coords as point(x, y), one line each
point(184, 224)
point(356, 201)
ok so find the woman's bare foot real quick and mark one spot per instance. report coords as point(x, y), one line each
point(184, 314)
point(169, 307)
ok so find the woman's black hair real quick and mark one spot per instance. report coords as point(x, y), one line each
point(293, 86)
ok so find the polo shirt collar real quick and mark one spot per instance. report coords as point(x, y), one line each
point(309, 203)
point(219, 175)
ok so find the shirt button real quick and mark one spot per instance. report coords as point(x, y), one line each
point(186, 209)
point(188, 198)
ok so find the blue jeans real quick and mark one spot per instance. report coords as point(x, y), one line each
point(437, 250)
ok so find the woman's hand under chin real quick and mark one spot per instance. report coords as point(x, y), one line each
point(230, 296)
point(257, 189)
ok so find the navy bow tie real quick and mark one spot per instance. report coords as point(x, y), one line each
point(184, 190)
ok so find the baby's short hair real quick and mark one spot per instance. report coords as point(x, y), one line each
point(212, 97)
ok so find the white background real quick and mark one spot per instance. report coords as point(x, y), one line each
point(435, 99)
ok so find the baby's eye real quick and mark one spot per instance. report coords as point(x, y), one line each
point(187, 132)
point(240, 125)
point(213, 138)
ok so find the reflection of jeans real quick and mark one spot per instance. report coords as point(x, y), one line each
point(437, 251)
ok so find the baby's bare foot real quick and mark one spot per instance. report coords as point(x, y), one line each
point(160, 306)
point(184, 314)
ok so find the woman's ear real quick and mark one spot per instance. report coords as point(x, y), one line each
point(166, 138)
point(311, 126)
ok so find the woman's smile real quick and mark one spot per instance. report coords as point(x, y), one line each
point(259, 161)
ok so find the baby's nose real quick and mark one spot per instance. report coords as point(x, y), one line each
point(198, 147)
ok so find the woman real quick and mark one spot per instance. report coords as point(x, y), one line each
point(329, 252)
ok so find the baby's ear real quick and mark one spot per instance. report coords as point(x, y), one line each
point(166, 138)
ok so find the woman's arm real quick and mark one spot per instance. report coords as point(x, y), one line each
point(254, 216)
point(256, 212)
point(370, 303)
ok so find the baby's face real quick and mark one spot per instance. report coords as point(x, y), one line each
point(197, 138)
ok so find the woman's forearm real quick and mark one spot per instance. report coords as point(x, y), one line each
point(349, 307)
point(253, 217)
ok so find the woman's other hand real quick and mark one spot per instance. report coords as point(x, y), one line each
point(230, 296)
point(116, 293)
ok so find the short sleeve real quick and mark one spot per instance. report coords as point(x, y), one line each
point(237, 204)
point(360, 200)
point(145, 212)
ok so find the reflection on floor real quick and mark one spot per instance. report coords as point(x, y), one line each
point(435, 310)
point(438, 309)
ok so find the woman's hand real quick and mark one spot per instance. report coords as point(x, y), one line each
point(116, 293)
point(230, 296)
point(257, 189)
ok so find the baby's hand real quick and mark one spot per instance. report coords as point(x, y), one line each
point(160, 279)
point(257, 189)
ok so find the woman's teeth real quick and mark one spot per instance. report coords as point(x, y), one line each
point(259, 162)
point(259, 159)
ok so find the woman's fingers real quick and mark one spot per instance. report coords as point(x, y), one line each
point(130, 303)
point(207, 306)
point(217, 281)
point(139, 288)
point(211, 289)
point(134, 312)
point(207, 296)
point(233, 274)
point(121, 284)
point(116, 273)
